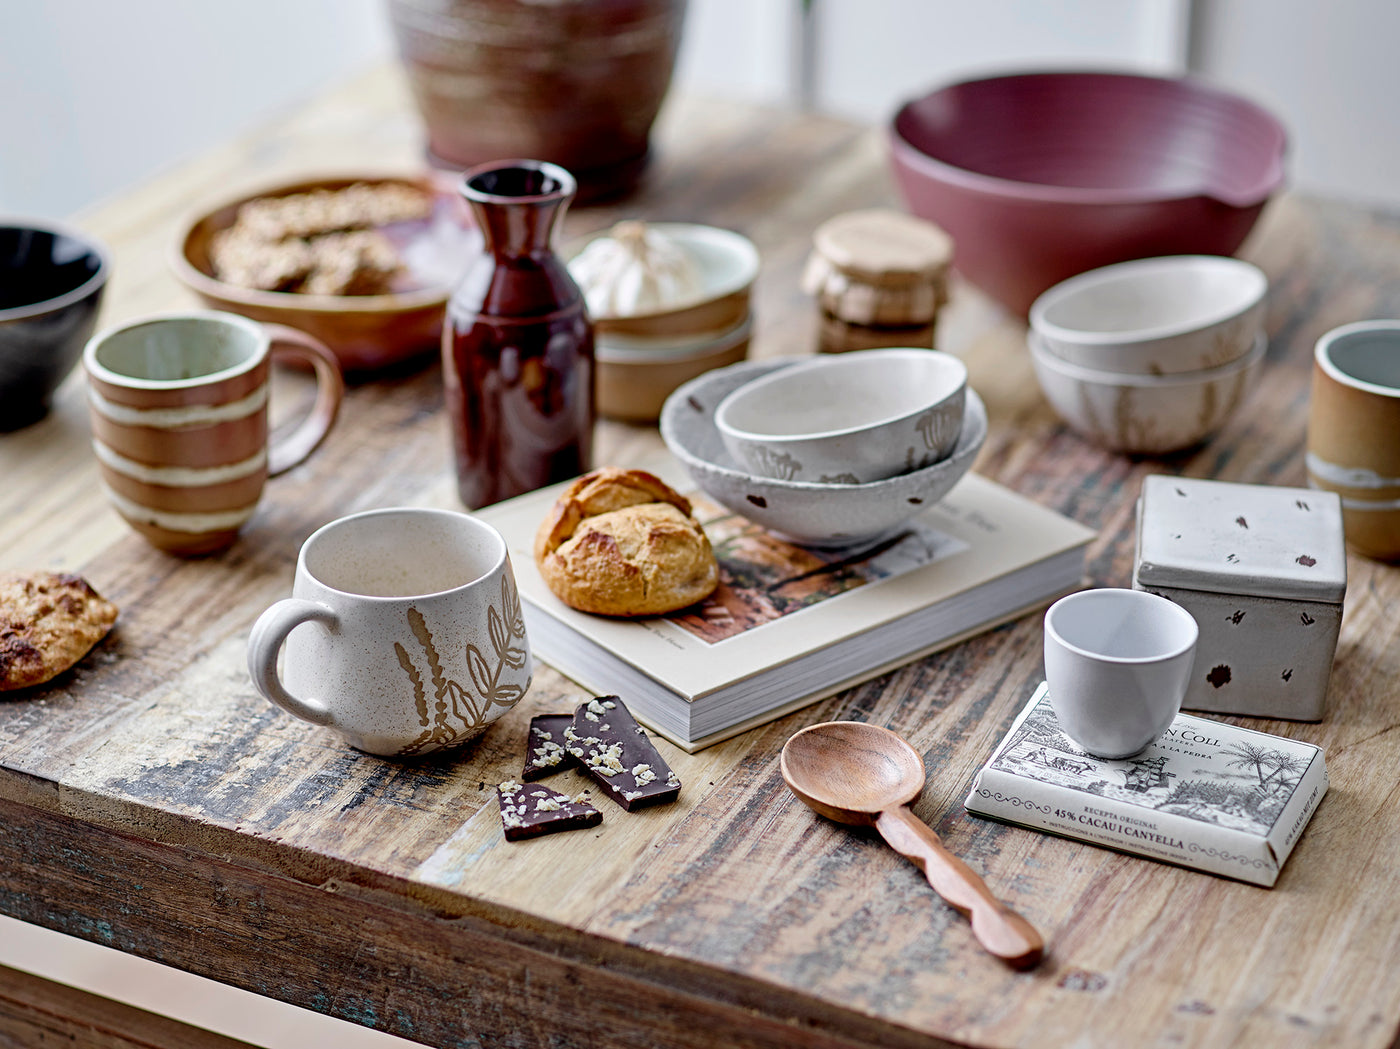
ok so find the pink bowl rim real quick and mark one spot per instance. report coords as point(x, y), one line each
point(906, 152)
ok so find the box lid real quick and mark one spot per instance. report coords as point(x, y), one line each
point(1226, 538)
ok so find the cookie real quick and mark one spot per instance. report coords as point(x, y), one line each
point(323, 242)
point(47, 623)
point(623, 543)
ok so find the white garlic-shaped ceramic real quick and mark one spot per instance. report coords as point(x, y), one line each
point(633, 270)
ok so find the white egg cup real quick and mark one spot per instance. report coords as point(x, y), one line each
point(1118, 663)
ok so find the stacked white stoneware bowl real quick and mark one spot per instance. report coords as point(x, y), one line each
point(660, 320)
point(829, 412)
point(1151, 356)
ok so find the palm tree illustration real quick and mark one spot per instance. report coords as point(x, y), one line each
point(1249, 755)
point(1282, 766)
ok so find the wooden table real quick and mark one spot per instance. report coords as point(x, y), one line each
point(151, 801)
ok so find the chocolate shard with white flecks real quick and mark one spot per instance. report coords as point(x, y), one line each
point(544, 747)
point(529, 810)
point(619, 756)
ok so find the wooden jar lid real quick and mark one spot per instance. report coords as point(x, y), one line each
point(879, 267)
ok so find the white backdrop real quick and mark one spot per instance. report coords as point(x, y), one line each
point(98, 94)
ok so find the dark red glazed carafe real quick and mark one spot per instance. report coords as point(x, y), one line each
point(517, 345)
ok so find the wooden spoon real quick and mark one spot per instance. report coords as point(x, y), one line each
point(857, 773)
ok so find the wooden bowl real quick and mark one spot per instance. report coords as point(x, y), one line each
point(368, 333)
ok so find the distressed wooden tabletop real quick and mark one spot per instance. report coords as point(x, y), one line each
point(151, 801)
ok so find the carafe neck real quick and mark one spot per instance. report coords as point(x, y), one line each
point(517, 204)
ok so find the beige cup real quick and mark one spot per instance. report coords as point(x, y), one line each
point(178, 404)
point(1354, 431)
point(404, 632)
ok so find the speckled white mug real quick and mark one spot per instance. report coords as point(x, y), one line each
point(404, 632)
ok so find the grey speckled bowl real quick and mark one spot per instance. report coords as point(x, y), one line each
point(804, 512)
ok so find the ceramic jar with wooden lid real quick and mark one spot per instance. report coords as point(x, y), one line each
point(879, 277)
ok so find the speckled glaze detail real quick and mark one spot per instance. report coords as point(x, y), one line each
point(404, 634)
point(1262, 568)
point(1145, 414)
point(811, 513)
point(867, 415)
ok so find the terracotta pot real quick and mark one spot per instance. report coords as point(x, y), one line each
point(574, 82)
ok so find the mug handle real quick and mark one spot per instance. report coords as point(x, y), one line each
point(265, 642)
point(292, 447)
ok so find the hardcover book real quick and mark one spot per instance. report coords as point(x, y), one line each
point(789, 625)
point(1206, 795)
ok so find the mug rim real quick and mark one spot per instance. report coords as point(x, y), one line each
point(101, 372)
point(1322, 354)
point(1142, 595)
point(497, 563)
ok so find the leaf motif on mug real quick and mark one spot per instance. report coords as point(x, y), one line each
point(452, 698)
point(420, 698)
point(480, 672)
point(510, 604)
point(507, 695)
point(496, 627)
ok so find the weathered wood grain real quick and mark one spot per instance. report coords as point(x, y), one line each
point(271, 856)
point(39, 1012)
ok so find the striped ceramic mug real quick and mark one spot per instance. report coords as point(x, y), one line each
point(1354, 431)
point(179, 421)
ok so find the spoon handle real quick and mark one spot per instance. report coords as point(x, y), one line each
point(999, 929)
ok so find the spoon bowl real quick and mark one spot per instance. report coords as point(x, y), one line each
point(853, 772)
point(850, 771)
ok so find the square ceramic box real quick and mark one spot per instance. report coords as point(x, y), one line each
point(1264, 571)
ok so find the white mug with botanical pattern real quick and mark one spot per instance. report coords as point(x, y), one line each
point(179, 409)
point(404, 632)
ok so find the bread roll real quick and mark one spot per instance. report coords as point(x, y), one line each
point(623, 543)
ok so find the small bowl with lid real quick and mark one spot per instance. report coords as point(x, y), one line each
point(880, 278)
point(1158, 316)
point(849, 419)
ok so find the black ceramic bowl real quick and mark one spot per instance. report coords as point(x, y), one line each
point(51, 282)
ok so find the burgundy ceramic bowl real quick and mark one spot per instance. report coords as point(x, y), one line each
point(1042, 176)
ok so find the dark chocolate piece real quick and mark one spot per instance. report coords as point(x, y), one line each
point(544, 747)
point(615, 751)
point(529, 811)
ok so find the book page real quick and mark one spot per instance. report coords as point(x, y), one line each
point(979, 532)
point(763, 578)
